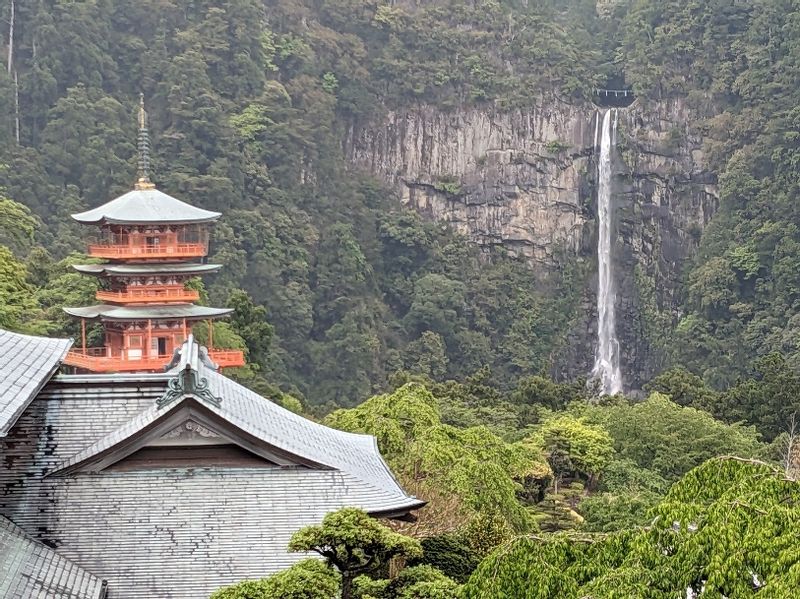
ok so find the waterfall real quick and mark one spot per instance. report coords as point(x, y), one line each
point(606, 362)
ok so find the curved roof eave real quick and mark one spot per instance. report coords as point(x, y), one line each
point(145, 206)
point(111, 312)
point(145, 269)
point(357, 454)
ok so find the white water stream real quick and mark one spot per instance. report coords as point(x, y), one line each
point(606, 360)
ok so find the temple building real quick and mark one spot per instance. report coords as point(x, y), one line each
point(153, 244)
point(142, 471)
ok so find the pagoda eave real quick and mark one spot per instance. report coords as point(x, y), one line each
point(108, 312)
point(149, 269)
point(145, 206)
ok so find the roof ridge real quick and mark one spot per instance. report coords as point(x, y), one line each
point(188, 380)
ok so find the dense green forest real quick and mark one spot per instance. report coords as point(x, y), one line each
point(249, 103)
point(360, 311)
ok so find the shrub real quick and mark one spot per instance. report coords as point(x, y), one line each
point(309, 579)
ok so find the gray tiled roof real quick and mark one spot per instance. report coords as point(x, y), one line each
point(145, 206)
point(145, 269)
point(111, 312)
point(178, 533)
point(31, 570)
point(26, 364)
point(275, 426)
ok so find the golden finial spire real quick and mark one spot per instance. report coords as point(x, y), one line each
point(143, 177)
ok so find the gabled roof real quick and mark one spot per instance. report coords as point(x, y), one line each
point(262, 426)
point(145, 269)
point(30, 569)
point(111, 312)
point(145, 206)
point(216, 523)
point(26, 364)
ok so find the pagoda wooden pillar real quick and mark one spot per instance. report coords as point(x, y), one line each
point(83, 335)
point(149, 338)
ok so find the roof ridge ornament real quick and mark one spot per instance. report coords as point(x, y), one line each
point(188, 382)
point(143, 145)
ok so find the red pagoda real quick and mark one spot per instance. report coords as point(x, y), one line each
point(152, 244)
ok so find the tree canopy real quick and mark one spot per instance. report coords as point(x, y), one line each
point(354, 543)
point(478, 469)
point(727, 528)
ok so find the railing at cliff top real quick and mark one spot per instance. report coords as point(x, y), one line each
point(617, 93)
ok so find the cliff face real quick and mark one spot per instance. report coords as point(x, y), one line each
point(526, 180)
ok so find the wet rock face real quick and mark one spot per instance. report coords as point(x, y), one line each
point(525, 180)
point(665, 199)
point(512, 178)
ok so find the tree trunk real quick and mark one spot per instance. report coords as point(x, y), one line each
point(11, 39)
point(791, 457)
point(347, 585)
point(16, 106)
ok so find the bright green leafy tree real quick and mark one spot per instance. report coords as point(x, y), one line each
point(483, 471)
point(726, 529)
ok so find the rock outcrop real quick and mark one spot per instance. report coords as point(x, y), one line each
point(525, 180)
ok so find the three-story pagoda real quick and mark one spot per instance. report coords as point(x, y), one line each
point(152, 244)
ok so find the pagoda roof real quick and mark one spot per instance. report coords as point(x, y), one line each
point(29, 568)
point(145, 269)
point(26, 364)
point(145, 206)
point(111, 312)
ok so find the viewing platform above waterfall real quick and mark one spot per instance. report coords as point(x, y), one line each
point(613, 98)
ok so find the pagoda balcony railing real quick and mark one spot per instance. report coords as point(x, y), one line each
point(177, 250)
point(227, 358)
point(150, 294)
point(99, 359)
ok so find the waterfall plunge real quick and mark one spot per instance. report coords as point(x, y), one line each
point(606, 362)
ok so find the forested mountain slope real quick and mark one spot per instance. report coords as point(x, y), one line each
point(251, 105)
point(247, 104)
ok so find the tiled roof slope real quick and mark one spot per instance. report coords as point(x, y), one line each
point(29, 570)
point(146, 269)
point(178, 533)
point(145, 206)
point(181, 533)
point(26, 364)
point(353, 453)
point(112, 312)
point(276, 426)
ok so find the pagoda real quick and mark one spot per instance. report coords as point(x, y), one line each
point(152, 245)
